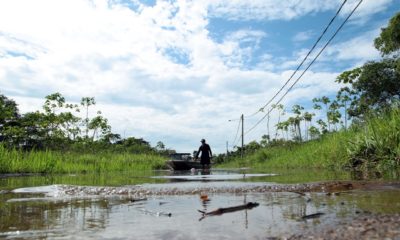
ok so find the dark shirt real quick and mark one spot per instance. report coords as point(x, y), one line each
point(205, 152)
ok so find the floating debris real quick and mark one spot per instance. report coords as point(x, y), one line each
point(138, 199)
point(221, 211)
point(157, 214)
point(311, 216)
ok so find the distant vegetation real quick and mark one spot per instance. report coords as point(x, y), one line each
point(56, 140)
point(360, 128)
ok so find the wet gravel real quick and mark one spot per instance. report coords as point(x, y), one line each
point(143, 191)
point(365, 226)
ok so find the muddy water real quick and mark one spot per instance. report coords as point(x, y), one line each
point(165, 205)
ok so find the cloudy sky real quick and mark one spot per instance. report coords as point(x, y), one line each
point(177, 71)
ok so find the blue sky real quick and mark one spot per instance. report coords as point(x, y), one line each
point(177, 71)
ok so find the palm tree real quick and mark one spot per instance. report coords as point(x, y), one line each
point(322, 125)
point(86, 102)
point(314, 132)
point(297, 119)
point(334, 114)
point(325, 100)
point(307, 119)
point(344, 97)
point(281, 112)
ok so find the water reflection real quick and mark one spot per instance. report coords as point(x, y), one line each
point(212, 175)
point(277, 214)
point(62, 217)
point(111, 213)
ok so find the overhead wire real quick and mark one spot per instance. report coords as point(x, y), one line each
point(302, 62)
point(315, 58)
point(237, 132)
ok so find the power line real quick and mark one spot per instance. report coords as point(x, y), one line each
point(237, 132)
point(305, 70)
point(302, 62)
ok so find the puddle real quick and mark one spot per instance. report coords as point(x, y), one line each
point(170, 206)
point(214, 177)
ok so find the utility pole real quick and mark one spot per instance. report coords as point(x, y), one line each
point(227, 151)
point(242, 118)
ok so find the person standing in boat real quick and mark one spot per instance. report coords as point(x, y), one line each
point(206, 154)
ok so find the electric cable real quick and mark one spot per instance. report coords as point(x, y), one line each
point(315, 58)
point(237, 132)
point(302, 62)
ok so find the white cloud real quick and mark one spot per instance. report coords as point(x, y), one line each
point(267, 9)
point(365, 10)
point(358, 48)
point(303, 36)
point(129, 60)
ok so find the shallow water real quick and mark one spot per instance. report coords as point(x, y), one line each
point(164, 205)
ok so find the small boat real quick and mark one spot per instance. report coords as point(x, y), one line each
point(183, 161)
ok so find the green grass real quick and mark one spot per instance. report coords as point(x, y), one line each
point(329, 152)
point(17, 161)
point(372, 145)
point(377, 144)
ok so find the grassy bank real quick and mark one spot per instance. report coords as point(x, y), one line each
point(17, 161)
point(374, 144)
point(327, 152)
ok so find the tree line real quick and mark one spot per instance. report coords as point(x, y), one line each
point(58, 127)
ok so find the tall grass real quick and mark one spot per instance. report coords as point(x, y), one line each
point(17, 161)
point(327, 152)
point(373, 144)
point(377, 144)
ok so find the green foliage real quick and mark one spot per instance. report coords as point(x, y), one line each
point(9, 115)
point(389, 39)
point(374, 143)
point(56, 141)
point(327, 152)
point(377, 144)
point(375, 86)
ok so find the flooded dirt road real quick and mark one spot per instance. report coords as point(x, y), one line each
point(165, 205)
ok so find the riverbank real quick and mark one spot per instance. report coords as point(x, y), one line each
point(373, 144)
point(18, 161)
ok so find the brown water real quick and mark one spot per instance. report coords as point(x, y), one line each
point(164, 205)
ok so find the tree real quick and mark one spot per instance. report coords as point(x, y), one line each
point(264, 140)
point(53, 104)
point(9, 117)
point(70, 124)
point(324, 100)
point(334, 114)
point(111, 138)
point(283, 126)
point(344, 97)
point(307, 119)
point(281, 112)
point(252, 147)
point(376, 85)
point(135, 145)
point(389, 40)
point(322, 125)
point(86, 102)
point(160, 146)
point(296, 109)
point(34, 130)
point(314, 132)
